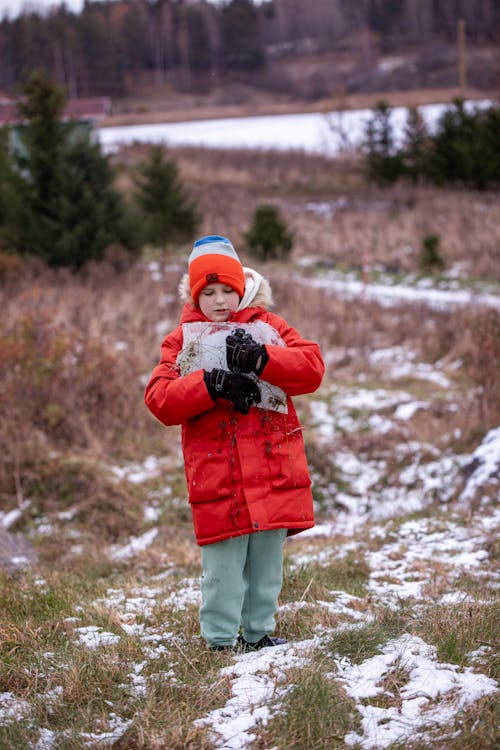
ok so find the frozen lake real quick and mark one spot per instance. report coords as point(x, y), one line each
point(313, 132)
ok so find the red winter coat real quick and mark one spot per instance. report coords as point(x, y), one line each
point(244, 473)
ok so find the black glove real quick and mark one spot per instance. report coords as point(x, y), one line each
point(239, 389)
point(243, 354)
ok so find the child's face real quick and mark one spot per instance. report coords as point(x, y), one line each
point(217, 301)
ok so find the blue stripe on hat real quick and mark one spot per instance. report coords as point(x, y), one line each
point(211, 238)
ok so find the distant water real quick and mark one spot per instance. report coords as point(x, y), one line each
point(313, 132)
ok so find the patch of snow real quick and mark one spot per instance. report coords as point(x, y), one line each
point(134, 546)
point(137, 681)
point(117, 728)
point(93, 636)
point(379, 424)
point(9, 518)
point(20, 560)
point(163, 326)
point(152, 513)
point(390, 295)
point(187, 595)
point(435, 479)
point(46, 740)
point(12, 708)
point(397, 570)
point(141, 601)
point(431, 697)
point(324, 208)
point(151, 468)
point(370, 399)
point(487, 458)
point(324, 423)
point(407, 411)
point(53, 696)
point(399, 362)
point(456, 597)
point(44, 527)
point(368, 497)
point(256, 680)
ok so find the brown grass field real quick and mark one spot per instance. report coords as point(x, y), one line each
point(75, 353)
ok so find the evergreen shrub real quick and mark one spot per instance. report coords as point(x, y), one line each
point(464, 149)
point(168, 214)
point(430, 255)
point(383, 164)
point(57, 200)
point(268, 237)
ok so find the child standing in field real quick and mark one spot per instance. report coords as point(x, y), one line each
point(227, 374)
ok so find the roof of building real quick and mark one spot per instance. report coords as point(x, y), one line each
point(90, 108)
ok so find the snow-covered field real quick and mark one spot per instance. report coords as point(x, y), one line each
point(311, 132)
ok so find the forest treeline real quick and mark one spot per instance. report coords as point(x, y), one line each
point(114, 47)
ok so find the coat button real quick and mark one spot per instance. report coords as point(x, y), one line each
point(256, 525)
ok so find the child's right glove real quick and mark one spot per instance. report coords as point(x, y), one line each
point(239, 389)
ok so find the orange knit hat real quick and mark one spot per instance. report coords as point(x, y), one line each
point(214, 259)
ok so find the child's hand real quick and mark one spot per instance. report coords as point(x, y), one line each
point(242, 391)
point(243, 354)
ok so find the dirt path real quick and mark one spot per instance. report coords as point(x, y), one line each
point(174, 110)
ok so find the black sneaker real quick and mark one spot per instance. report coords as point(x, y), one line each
point(264, 642)
point(222, 648)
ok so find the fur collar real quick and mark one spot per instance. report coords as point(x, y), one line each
point(258, 292)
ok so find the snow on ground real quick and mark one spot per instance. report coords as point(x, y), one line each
point(390, 295)
point(151, 468)
point(257, 680)
point(12, 708)
point(431, 693)
point(400, 568)
point(313, 132)
point(485, 466)
point(134, 546)
point(401, 558)
point(94, 637)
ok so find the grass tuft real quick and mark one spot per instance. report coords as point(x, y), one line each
point(315, 714)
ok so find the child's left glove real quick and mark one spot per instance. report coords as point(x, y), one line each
point(243, 354)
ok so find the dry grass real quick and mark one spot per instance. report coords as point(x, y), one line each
point(356, 224)
point(76, 351)
point(72, 406)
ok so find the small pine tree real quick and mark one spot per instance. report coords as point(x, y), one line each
point(57, 200)
point(268, 238)
point(383, 162)
point(416, 145)
point(430, 256)
point(169, 216)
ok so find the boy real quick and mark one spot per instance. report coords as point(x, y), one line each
point(227, 374)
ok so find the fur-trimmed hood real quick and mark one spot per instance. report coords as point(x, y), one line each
point(258, 292)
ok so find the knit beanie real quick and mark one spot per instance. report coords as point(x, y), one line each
point(214, 259)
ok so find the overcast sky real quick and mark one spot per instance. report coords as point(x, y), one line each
point(12, 7)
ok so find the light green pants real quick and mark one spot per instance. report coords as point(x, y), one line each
point(240, 585)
